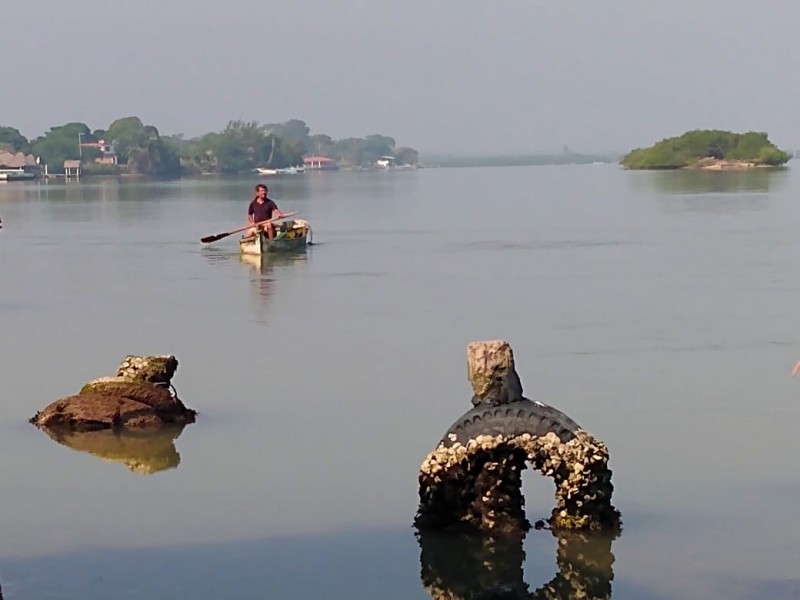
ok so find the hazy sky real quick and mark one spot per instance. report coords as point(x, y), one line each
point(461, 76)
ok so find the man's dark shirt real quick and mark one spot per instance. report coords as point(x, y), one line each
point(262, 212)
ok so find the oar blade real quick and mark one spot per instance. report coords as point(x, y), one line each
point(214, 238)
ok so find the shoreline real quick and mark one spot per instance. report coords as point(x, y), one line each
point(721, 164)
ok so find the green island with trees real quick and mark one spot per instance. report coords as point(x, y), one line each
point(133, 148)
point(709, 149)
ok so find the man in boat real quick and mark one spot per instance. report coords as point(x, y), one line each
point(262, 209)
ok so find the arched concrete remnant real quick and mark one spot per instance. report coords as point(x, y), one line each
point(473, 478)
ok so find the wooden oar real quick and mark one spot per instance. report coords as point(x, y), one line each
point(215, 238)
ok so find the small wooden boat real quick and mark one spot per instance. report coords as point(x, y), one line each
point(291, 234)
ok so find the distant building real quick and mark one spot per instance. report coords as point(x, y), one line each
point(18, 161)
point(386, 162)
point(107, 154)
point(319, 163)
point(72, 168)
point(18, 166)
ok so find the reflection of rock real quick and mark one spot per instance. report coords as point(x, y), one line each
point(142, 452)
point(461, 566)
point(473, 478)
point(138, 397)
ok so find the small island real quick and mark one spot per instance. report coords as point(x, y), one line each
point(708, 149)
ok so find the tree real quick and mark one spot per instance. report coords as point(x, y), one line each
point(11, 140)
point(320, 144)
point(141, 148)
point(127, 134)
point(406, 156)
point(289, 152)
point(349, 151)
point(376, 146)
point(60, 144)
point(692, 146)
point(293, 129)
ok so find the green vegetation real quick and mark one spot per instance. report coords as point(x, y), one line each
point(694, 146)
point(240, 147)
point(11, 140)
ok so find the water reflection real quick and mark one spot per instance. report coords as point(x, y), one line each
point(717, 182)
point(263, 270)
point(265, 265)
point(143, 452)
point(711, 192)
point(461, 566)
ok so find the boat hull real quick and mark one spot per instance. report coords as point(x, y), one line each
point(16, 175)
point(289, 236)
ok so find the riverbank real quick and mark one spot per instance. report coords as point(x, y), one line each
point(716, 164)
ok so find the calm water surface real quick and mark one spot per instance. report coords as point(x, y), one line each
point(656, 309)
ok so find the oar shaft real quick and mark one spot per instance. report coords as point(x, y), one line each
point(215, 238)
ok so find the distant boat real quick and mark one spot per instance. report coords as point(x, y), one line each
point(16, 175)
point(290, 235)
point(264, 171)
point(291, 170)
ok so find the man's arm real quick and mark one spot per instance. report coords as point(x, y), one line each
point(250, 214)
point(276, 212)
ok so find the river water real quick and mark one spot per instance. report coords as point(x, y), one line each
point(657, 309)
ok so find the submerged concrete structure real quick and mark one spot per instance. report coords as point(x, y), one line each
point(472, 480)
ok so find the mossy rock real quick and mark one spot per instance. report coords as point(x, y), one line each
point(152, 395)
point(102, 384)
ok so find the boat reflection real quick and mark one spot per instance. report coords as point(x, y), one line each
point(462, 566)
point(266, 264)
point(143, 452)
point(264, 271)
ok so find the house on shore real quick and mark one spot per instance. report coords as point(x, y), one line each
point(320, 163)
point(386, 162)
point(18, 166)
point(108, 156)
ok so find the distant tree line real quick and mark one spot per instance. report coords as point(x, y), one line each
point(693, 146)
point(240, 147)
